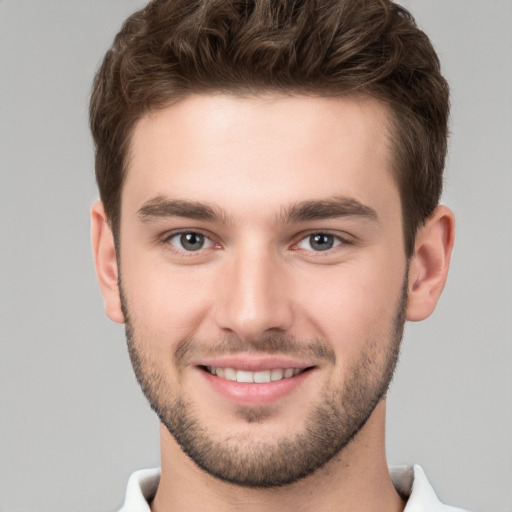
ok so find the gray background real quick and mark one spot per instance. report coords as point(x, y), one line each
point(73, 423)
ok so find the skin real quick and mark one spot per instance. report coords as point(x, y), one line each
point(250, 159)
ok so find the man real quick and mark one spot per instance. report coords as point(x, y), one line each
point(270, 174)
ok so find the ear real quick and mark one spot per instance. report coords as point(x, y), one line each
point(105, 261)
point(429, 264)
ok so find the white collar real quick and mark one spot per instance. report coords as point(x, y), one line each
point(409, 481)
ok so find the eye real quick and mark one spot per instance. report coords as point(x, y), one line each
point(190, 241)
point(319, 242)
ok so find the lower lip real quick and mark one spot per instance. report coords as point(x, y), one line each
point(252, 394)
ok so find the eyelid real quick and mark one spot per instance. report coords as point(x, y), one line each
point(344, 239)
point(163, 239)
point(167, 236)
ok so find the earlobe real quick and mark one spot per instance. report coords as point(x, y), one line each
point(428, 269)
point(105, 261)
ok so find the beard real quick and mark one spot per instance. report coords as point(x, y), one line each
point(244, 459)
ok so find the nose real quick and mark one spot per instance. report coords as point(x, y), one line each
point(254, 297)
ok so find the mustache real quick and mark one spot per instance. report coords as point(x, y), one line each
point(316, 350)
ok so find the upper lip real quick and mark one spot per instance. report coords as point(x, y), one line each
point(252, 363)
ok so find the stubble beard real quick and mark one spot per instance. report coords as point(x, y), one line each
point(329, 427)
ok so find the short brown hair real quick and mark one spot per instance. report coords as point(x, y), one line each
point(173, 48)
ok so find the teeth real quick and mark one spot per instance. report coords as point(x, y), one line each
point(229, 374)
point(263, 376)
point(258, 377)
point(276, 375)
point(242, 376)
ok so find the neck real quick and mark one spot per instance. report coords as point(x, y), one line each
point(356, 480)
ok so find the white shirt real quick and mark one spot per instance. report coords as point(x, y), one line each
point(408, 480)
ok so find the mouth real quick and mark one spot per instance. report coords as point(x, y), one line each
point(256, 377)
point(254, 382)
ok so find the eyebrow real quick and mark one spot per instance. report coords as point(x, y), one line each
point(330, 208)
point(334, 207)
point(161, 207)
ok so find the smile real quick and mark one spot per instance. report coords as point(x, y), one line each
point(259, 377)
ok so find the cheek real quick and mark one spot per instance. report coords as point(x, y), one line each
point(355, 304)
point(165, 303)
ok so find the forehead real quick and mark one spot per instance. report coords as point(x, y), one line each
point(240, 151)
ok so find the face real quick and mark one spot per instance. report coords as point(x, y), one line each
point(262, 269)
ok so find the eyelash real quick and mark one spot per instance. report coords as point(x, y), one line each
point(338, 241)
point(166, 240)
